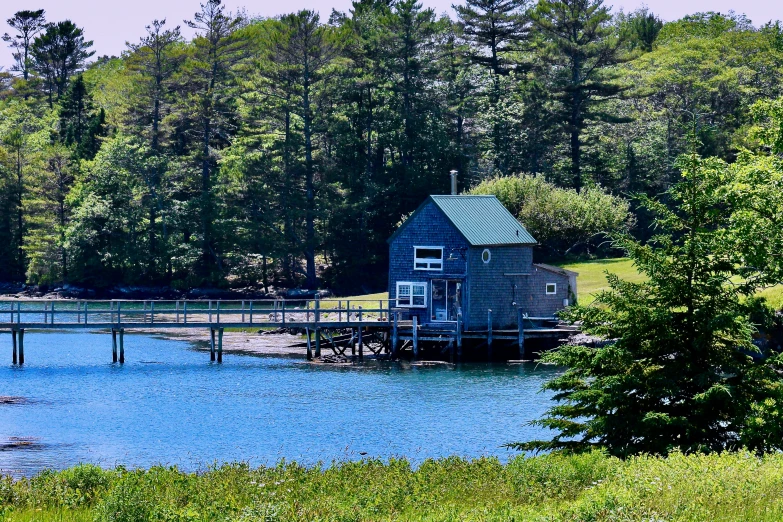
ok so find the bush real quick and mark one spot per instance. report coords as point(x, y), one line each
point(561, 220)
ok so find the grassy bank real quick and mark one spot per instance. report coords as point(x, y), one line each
point(728, 487)
point(592, 278)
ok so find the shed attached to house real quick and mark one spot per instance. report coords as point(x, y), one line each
point(469, 255)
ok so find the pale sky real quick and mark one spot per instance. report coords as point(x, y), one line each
point(110, 23)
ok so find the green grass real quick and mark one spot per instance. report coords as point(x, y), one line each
point(726, 487)
point(592, 275)
point(592, 279)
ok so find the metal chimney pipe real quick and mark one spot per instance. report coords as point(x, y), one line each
point(453, 182)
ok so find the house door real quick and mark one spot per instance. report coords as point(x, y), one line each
point(446, 300)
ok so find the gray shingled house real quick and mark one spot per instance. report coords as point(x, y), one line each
point(469, 254)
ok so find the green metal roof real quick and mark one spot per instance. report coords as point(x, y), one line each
point(483, 220)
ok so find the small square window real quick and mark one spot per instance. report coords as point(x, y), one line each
point(551, 288)
point(428, 258)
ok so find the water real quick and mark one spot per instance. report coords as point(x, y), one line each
point(169, 405)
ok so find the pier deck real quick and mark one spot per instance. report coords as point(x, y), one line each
point(372, 324)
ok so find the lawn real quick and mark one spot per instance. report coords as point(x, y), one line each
point(592, 278)
point(724, 487)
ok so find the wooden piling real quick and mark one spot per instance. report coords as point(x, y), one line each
point(122, 345)
point(521, 334)
point(361, 344)
point(353, 342)
point(317, 342)
point(459, 336)
point(212, 344)
point(220, 346)
point(114, 345)
point(309, 345)
point(415, 337)
point(21, 346)
point(395, 333)
point(13, 341)
point(489, 334)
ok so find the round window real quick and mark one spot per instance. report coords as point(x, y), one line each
point(486, 255)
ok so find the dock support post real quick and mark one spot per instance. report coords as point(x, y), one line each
point(353, 342)
point(415, 337)
point(395, 334)
point(459, 336)
point(489, 334)
point(220, 346)
point(122, 345)
point(318, 342)
point(521, 334)
point(13, 341)
point(361, 345)
point(309, 345)
point(21, 346)
point(114, 345)
point(212, 344)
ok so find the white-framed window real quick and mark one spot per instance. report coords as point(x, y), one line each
point(486, 256)
point(411, 295)
point(427, 258)
point(551, 288)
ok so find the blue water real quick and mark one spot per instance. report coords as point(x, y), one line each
point(169, 405)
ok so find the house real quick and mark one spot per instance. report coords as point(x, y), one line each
point(469, 254)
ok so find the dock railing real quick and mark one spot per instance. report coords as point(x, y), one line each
point(72, 313)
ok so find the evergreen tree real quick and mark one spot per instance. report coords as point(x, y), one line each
point(208, 80)
point(643, 28)
point(59, 53)
point(81, 125)
point(581, 47)
point(496, 29)
point(156, 60)
point(678, 370)
point(27, 24)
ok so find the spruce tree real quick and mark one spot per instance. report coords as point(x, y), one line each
point(81, 124)
point(679, 370)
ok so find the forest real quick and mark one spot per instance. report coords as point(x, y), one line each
point(283, 152)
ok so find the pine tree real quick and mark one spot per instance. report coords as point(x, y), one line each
point(208, 80)
point(581, 47)
point(156, 60)
point(59, 53)
point(27, 24)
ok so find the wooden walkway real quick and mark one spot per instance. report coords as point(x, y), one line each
point(374, 325)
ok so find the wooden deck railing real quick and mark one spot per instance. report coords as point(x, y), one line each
point(20, 313)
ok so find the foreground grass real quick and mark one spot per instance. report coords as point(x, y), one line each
point(727, 487)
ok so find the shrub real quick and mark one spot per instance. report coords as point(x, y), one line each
point(561, 220)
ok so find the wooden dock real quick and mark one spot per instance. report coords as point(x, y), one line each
point(335, 324)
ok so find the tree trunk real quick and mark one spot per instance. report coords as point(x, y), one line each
point(310, 185)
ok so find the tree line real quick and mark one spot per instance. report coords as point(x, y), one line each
point(284, 151)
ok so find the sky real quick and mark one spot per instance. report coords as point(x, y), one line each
point(110, 23)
